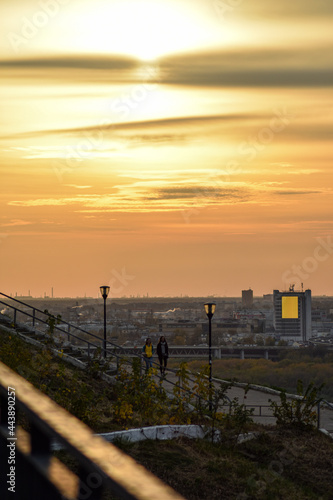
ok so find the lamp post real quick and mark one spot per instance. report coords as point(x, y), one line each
point(210, 309)
point(104, 292)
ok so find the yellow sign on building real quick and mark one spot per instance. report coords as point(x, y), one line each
point(289, 307)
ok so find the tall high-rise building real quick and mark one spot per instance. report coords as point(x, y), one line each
point(292, 314)
point(247, 298)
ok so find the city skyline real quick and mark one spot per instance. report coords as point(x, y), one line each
point(266, 296)
point(170, 148)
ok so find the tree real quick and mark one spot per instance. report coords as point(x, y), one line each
point(178, 340)
point(248, 340)
point(196, 336)
point(179, 337)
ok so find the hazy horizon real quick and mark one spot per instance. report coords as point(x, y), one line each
point(149, 297)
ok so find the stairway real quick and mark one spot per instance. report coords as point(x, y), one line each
point(66, 350)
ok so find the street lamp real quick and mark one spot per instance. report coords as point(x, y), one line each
point(210, 309)
point(104, 292)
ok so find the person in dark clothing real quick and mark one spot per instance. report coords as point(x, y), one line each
point(162, 353)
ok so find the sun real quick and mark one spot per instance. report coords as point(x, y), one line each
point(149, 30)
point(145, 30)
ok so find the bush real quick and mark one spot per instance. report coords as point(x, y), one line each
point(299, 412)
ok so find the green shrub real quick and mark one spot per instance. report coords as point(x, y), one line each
point(300, 412)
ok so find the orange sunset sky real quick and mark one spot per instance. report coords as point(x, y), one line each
point(166, 147)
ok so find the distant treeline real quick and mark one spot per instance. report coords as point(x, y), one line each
point(309, 365)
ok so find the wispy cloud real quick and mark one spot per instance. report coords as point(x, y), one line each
point(17, 222)
point(91, 62)
point(284, 9)
point(302, 67)
point(153, 125)
point(298, 192)
point(75, 186)
point(158, 195)
point(115, 138)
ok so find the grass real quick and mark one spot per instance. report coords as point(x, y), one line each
point(85, 396)
point(278, 464)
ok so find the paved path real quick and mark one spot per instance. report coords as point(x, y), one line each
point(260, 402)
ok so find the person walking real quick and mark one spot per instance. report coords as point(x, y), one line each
point(148, 350)
point(162, 353)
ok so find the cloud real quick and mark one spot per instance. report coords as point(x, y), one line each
point(43, 202)
point(91, 62)
point(285, 9)
point(282, 164)
point(75, 186)
point(17, 222)
point(171, 195)
point(155, 139)
point(110, 139)
point(297, 192)
point(198, 121)
point(199, 193)
point(304, 67)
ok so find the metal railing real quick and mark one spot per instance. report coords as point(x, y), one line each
point(91, 344)
point(96, 342)
point(28, 468)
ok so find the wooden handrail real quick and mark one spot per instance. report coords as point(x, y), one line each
point(39, 475)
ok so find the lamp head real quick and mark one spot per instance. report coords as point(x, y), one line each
point(210, 309)
point(104, 291)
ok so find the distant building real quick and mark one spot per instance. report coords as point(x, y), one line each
point(255, 319)
point(319, 315)
point(247, 298)
point(292, 314)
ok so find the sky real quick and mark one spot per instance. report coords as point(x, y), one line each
point(166, 147)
